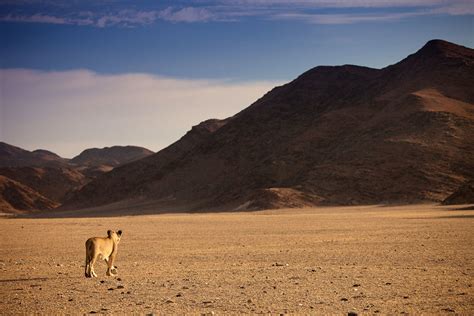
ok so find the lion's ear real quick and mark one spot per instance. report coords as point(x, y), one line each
point(109, 233)
point(119, 233)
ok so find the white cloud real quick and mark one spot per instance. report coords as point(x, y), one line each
point(69, 111)
point(346, 18)
point(45, 18)
point(310, 11)
point(188, 14)
point(126, 18)
point(343, 3)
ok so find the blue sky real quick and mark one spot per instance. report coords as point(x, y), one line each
point(248, 45)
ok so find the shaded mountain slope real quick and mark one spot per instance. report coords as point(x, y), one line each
point(335, 135)
point(53, 183)
point(463, 195)
point(48, 178)
point(17, 198)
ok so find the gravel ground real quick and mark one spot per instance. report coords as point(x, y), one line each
point(336, 260)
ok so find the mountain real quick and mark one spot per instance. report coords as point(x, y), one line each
point(336, 135)
point(42, 180)
point(17, 198)
point(53, 183)
point(110, 156)
point(11, 156)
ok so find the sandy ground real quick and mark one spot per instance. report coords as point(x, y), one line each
point(409, 259)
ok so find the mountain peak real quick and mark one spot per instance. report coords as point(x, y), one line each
point(438, 47)
point(44, 152)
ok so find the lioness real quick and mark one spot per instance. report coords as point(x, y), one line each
point(105, 248)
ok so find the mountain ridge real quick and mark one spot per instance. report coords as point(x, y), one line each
point(41, 175)
point(334, 135)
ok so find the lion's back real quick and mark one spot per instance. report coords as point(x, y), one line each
point(99, 245)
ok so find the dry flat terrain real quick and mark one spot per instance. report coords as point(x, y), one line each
point(407, 259)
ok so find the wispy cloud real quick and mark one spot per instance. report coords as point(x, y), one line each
point(350, 18)
point(124, 18)
point(45, 18)
point(188, 14)
point(346, 18)
point(342, 3)
point(68, 111)
point(309, 11)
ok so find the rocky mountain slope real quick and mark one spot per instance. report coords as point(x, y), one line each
point(463, 195)
point(54, 183)
point(335, 135)
point(18, 198)
point(41, 179)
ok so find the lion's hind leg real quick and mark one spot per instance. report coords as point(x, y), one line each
point(111, 270)
point(92, 269)
point(92, 261)
point(87, 268)
point(87, 271)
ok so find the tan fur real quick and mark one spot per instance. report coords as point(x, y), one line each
point(102, 248)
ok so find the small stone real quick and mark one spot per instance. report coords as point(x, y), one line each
point(110, 289)
point(388, 283)
point(169, 301)
point(120, 287)
point(352, 314)
point(448, 310)
point(356, 285)
point(92, 312)
point(102, 281)
point(405, 297)
point(249, 301)
point(179, 295)
point(344, 299)
point(119, 279)
point(70, 300)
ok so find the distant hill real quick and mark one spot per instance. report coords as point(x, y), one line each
point(338, 135)
point(53, 183)
point(12, 156)
point(18, 198)
point(41, 179)
point(110, 156)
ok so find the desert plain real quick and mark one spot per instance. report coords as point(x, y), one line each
point(415, 259)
